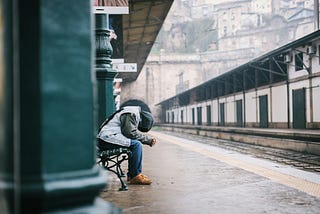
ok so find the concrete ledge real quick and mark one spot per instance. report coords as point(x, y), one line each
point(296, 140)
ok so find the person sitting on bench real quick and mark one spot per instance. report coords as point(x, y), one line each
point(125, 128)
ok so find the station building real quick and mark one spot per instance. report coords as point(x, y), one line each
point(280, 89)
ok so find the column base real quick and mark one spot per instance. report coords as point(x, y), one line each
point(59, 191)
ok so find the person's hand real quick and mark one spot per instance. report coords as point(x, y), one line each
point(153, 142)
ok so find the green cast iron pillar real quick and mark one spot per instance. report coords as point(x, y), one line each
point(104, 72)
point(47, 104)
point(6, 110)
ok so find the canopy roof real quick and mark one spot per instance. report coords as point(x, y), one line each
point(140, 29)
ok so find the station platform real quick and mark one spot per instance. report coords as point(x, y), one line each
point(192, 177)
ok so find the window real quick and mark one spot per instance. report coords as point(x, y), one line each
point(221, 110)
point(199, 114)
point(181, 116)
point(172, 117)
point(205, 10)
point(225, 30)
point(298, 61)
point(232, 16)
point(193, 116)
point(209, 115)
point(239, 112)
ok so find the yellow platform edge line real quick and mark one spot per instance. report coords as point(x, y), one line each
point(288, 180)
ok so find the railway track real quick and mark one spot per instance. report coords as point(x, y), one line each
point(304, 161)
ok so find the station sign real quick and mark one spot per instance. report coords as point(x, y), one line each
point(125, 67)
point(111, 7)
point(111, 10)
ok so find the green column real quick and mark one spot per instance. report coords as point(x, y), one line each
point(48, 103)
point(6, 110)
point(104, 72)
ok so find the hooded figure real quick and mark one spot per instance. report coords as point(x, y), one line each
point(146, 121)
point(125, 128)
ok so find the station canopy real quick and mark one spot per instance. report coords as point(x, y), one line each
point(140, 29)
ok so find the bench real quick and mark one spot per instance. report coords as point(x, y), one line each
point(111, 160)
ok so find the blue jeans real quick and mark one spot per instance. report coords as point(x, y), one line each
point(135, 161)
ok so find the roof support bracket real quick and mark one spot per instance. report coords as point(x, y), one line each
point(276, 62)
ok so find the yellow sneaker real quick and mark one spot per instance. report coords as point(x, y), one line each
point(140, 180)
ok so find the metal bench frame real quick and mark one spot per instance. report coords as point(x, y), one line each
point(111, 160)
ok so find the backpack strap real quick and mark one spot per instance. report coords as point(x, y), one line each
point(109, 118)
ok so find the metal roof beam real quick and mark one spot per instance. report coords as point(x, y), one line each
point(267, 70)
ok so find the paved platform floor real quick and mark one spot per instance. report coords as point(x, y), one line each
point(190, 177)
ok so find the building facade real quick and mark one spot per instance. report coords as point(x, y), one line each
point(280, 89)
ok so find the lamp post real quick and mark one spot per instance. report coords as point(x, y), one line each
point(104, 71)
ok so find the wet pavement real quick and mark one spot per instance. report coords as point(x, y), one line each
point(193, 177)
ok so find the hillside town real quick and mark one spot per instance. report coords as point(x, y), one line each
point(203, 39)
point(232, 25)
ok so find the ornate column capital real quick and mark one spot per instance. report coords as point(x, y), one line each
point(104, 49)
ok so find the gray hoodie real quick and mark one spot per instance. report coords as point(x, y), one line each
point(123, 127)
